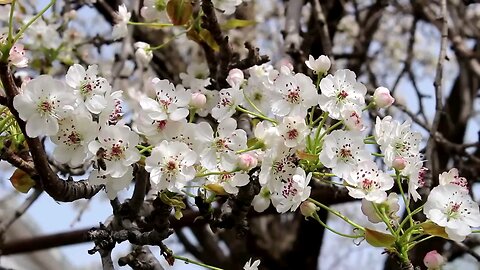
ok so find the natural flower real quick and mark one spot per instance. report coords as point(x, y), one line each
point(320, 65)
point(42, 103)
point(382, 97)
point(143, 53)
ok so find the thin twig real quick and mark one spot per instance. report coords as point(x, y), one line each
point(438, 90)
point(325, 35)
point(20, 211)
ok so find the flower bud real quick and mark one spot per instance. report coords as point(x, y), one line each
point(320, 65)
point(308, 209)
point(143, 53)
point(433, 260)
point(235, 77)
point(382, 97)
point(198, 100)
point(247, 162)
point(399, 163)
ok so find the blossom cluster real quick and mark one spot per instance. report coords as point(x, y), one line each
point(188, 135)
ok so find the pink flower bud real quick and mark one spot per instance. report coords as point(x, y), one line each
point(198, 100)
point(433, 260)
point(17, 56)
point(247, 162)
point(399, 163)
point(308, 209)
point(235, 77)
point(382, 97)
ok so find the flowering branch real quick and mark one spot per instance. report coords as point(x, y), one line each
point(58, 189)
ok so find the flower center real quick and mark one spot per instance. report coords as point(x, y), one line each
point(293, 96)
point(292, 134)
point(171, 165)
point(46, 107)
point(345, 153)
point(453, 210)
point(221, 145)
point(367, 184)
point(116, 152)
point(342, 95)
point(86, 88)
point(225, 102)
point(74, 138)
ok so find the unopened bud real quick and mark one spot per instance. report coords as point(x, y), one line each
point(382, 97)
point(235, 77)
point(320, 65)
point(433, 260)
point(247, 162)
point(399, 163)
point(198, 100)
point(308, 209)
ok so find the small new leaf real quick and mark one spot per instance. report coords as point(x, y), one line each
point(237, 23)
point(21, 181)
point(433, 229)
point(379, 239)
point(179, 11)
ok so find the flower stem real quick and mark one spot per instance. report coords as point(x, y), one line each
point(187, 260)
point(409, 216)
point(405, 200)
point(261, 116)
point(381, 213)
point(412, 245)
point(25, 27)
point(159, 25)
point(317, 218)
point(215, 173)
point(10, 22)
point(330, 129)
point(336, 213)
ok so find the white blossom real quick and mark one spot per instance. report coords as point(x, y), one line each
point(42, 103)
point(75, 133)
point(293, 130)
point(170, 166)
point(221, 147)
point(367, 181)
point(293, 191)
point(340, 91)
point(171, 102)
point(320, 65)
point(229, 99)
point(450, 207)
point(120, 29)
point(295, 95)
point(342, 150)
point(117, 147)
point(112, 184)
point(89, 88)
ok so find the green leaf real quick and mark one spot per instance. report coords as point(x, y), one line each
point(433, 229)
point(379, 239)
point(237, 23)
